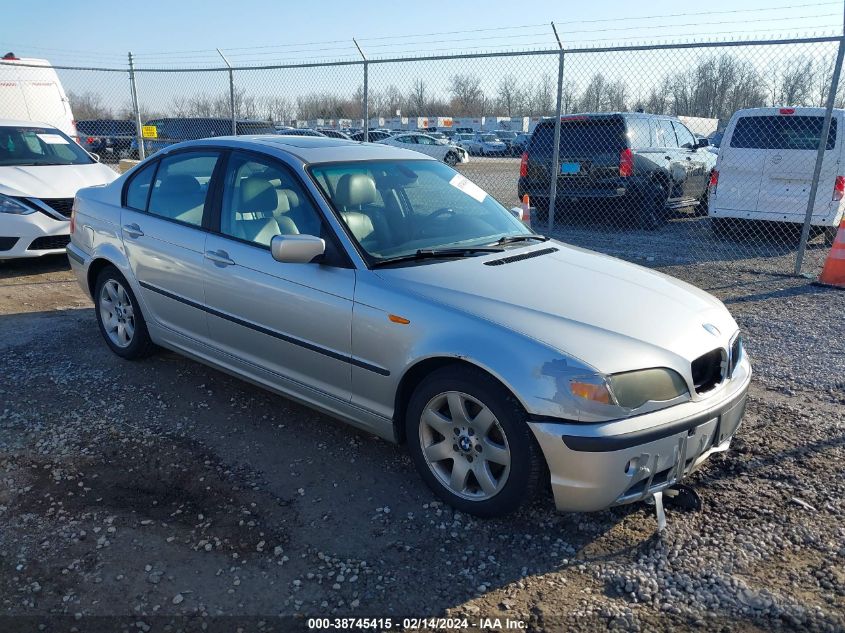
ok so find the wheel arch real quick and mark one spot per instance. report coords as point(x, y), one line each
point(415, 374)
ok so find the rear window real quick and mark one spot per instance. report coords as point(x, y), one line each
point(585, 136)
point(782, 132)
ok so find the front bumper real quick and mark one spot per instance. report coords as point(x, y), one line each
point(32, 235)
point(595, 466)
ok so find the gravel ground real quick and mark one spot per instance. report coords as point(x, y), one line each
point(162, 490)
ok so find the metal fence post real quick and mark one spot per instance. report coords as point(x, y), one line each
point(814, 187)
point(366, 105)
point(556, 148)
point(142, 154)
point(231, 93)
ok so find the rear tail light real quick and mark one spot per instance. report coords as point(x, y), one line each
point(73, 217)
point(523, 165)
point(714, 180)
point(787, 110)
point(91, 139)
point(839, 188)
point(626, 163)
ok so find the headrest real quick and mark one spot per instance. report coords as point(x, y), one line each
point(354, 190)
point(360, 224)
point(257, 196)
point(179, 185)
point(291, 198)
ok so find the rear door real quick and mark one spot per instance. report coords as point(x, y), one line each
point(789, 164)
point(164, 238)
point(742, 156)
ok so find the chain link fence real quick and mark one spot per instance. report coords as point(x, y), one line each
point(726, 155)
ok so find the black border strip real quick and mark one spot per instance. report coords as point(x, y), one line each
point(74, 256)
point(605, 444)
point(269, 332)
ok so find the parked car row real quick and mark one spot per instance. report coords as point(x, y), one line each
point(643, 167)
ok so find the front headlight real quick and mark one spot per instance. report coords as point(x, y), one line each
point(635, 388)
point(12, 206)
point(628, 391)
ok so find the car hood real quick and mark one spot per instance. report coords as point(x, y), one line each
point(607, 313)
point(52, 181)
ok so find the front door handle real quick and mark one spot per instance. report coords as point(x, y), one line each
point(133, 230)
point(219, 257)
point(668, 157)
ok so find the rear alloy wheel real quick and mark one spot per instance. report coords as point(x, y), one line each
point(451, 159)
point(119, 317)
point(470, 442)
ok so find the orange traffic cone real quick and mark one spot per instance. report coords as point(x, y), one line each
point(833, 273)
point(526, 210)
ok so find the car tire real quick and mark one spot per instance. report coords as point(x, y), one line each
point(451, 159)
point(541, 214)
point(830, 235)
point(703, 205)
point(454, 411)
point(651, 212)
point(119, 316)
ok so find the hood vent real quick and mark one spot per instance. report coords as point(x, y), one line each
point(519, 258)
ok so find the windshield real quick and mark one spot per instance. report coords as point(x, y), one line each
point(488, 138)
point(396, 208)
point(502, 135)
point(39, 146)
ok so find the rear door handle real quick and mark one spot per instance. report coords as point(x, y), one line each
point(133, 230)
point(219, 257)
point(668, 157)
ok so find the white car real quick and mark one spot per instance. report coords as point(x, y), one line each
point(425, 144)
point(484, 144)
point(41, 169)
point(765, 169)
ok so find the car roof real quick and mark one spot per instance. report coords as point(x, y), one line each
point(308, 149)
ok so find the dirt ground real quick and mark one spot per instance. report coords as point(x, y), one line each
point(164, 495)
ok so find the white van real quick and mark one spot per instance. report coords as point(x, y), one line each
point(765, 168)
point(30, 90)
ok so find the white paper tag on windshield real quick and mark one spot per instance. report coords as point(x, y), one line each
point(53, 139)
point(468, 187)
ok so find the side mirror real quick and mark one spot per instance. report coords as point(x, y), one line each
point(702, 142)
point(296, 249)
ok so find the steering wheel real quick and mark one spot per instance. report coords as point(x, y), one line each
point(442, 211)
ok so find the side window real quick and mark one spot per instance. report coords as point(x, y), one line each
point(424, 140)
point(262, 199)
point(639, 133)
point(666, 134)
point(181, 186)
point(138, 189)
point(685, 137)
point(408, 139)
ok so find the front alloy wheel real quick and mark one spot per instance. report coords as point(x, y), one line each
point(470, 441)
point(464, 446)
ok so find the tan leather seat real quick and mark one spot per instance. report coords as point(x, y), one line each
point(354, 192)
point(255, 218)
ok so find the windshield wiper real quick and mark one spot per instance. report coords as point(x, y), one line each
point(437, 253)
point(511, 239)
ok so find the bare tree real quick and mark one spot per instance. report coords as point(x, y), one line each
point(510, 98)
point(417, 99)
point(88, 105)
point(792, 82)
point(541, 100)
point(466, 95)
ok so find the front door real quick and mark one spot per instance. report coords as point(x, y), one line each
point(293, 320)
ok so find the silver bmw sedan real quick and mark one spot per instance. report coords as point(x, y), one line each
point(385, 289)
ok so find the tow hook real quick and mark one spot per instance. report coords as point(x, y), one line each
point(681, 496)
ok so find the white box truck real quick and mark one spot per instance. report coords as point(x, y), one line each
point(30, 90)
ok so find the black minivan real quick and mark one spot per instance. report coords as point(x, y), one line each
point(622, 165)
